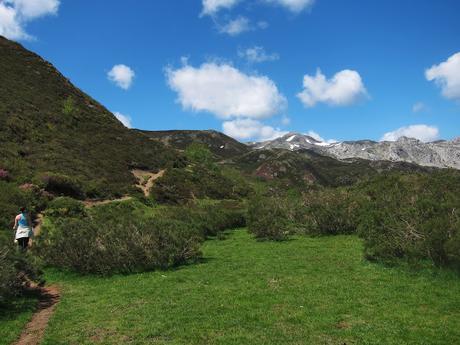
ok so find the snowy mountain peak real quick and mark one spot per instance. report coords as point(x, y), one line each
point(439, 153)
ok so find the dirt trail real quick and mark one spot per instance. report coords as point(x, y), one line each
point(92, 203)
point(146, 179)
point(35, 329)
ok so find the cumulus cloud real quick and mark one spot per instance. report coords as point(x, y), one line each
point(211, 7)
point(15, 14)
point(317, 137)
point(421, 132)
point(122, 76)
point(236, 26)
point(251, 129)
point(225, 91)
point(257, 54)
point(295, 6)
point(447, 76)
point(344, 88)
point(124, 119)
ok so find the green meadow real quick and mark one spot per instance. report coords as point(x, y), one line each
point(306, 290)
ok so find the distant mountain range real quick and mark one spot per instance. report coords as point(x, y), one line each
point(441, 153)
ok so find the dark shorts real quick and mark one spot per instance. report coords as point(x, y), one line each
point(23, 242)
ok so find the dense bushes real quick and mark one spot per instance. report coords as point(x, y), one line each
point(330, 212)
point(114, 241)
point(268, 218)
point(210, 217)
point(63, 185)
point(129, 236)
point(17, 269)
point(201, 178)
point(415, 217)
point(65, 207)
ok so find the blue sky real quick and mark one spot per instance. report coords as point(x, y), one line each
point(239, 66)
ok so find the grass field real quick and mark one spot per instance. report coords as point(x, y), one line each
point(14, 317)
point(302, 291)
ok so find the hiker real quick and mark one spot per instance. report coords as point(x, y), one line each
point(23, 229)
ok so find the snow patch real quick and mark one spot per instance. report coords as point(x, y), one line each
point(290, 138)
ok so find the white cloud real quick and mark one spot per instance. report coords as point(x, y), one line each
point(211, 7)
point(447, 76)
point(421, 132)
point(295, 6)
point(344, 88)
point(30, 9)
point(122, 76)
point(226, 92)
point(14, 15)
point(317, 137)
point(418, 107)
point(124, 119)
point(236, 26)
point(257, 54)
point(251, 129)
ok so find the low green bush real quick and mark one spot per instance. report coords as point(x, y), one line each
point(211, 218)
point(65, 207)
point(108, 242)
point(329, 212)
point(268, 218)
point(17, 269)
point(63, 185)
point(413, 217)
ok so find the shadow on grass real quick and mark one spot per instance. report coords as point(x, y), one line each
point(10, 310)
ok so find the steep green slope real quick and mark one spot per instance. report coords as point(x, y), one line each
point(47, 125)
point(221, 145)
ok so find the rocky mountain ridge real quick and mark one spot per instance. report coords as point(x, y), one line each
point(440, 154)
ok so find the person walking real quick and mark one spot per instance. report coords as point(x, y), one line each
point(23, 229)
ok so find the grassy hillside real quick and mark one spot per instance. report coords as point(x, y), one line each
point(47, 125)
point(302, 291)
point(221, 145)
point(308, 167)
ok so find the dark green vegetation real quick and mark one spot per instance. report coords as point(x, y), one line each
point(302, 291)
point(54, 135)
point(303, 168)
point(221, 145)
point(200, 178)
point(400, 216)
point(126, 237)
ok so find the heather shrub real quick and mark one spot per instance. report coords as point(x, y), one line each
point(329, 212)
point(412, 217)
point(63, 185)
point(211, 218)
point(268, 218)
point(17, 269)
point(65, 207)
point(108, 242)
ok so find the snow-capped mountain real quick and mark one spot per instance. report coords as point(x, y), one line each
point(439, 153)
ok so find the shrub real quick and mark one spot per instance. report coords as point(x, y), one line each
point(17, 270)
point(65, 207)
point(414, 217)
point(268, 218)
point(211, 218)
point(119, 243)
point(330, 212)
point(12, 198)
point(63, 185)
